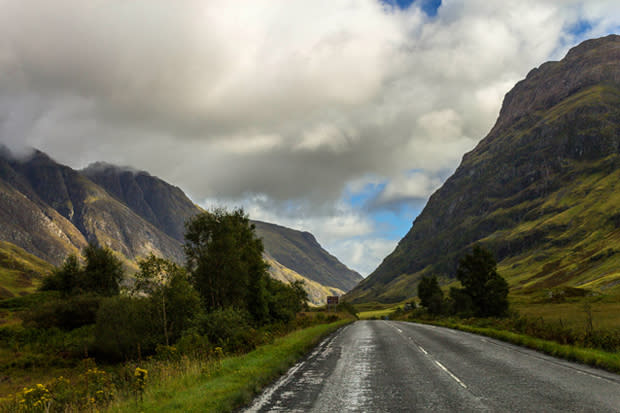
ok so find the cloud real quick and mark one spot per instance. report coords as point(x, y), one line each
point(409, 187)
point(291, 101)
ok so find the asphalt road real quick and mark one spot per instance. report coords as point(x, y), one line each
point(387, 366)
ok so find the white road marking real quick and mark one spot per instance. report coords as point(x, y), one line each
point(441, 366)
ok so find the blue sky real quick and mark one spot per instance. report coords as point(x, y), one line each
point(336, 117)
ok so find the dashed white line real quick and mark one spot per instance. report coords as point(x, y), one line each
point(441, 366)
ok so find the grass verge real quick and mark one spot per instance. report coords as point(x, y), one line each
point(374, 314)
point(230, 383)
point(593, 357)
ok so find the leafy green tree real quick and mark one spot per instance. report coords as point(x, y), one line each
point(173, 297)
point(66, 278)
point(225, 262)
point(488, 291)
point(460, 303)
point(431, 296)
point(103, 272)
point(285, 301)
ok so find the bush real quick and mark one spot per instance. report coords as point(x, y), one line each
point(67, 314)
point(126, 328)
point(228, 328)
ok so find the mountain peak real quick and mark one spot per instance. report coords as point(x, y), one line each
point(591, 62)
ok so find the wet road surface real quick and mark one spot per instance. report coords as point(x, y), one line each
point(387, 366)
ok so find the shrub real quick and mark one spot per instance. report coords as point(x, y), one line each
point(67, 314)
point(126, 328)
point(228, 328)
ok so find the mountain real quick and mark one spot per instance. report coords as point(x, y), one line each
point(317, 292)
point(163, 205)
point(49, 210)
point(541, 190)
point(288, 251)
point(301, 252)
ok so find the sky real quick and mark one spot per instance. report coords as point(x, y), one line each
point(338, 117)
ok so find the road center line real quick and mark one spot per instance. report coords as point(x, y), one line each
point(441, 366)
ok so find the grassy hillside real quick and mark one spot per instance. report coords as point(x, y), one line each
point(20, 272)
point(539, 191)
point(301, 252)
point(317, 293)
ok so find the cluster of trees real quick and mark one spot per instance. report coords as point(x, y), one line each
point(484, 292)
point(221, 295)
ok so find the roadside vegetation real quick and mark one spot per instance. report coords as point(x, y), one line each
point(90, 337)
point(568, 323)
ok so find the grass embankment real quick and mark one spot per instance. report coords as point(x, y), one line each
point(374, 310)
point(227, 384)
point(375, 314)
point(607, 360)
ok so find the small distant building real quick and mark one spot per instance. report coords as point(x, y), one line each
point(332, 302)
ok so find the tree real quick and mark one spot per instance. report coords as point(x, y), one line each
point(285, 301)
point(66, 278)
point(431, 296)
point(103, 272)
point(225, 262)
point(488, 291)
point(174, 299)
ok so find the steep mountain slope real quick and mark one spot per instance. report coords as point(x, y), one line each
point(87, 209)
point(301, 252)
point(51, 210)
point(540, 190)
point(163, 205)
point(317, 293)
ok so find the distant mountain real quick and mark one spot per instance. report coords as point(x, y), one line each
point(168, 208)
point(301, 252)
point(51, 210)
point(541, 190)
point(317, 292)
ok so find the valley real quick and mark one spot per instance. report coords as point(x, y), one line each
point(108, 273)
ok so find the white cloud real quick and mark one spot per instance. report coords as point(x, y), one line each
point(409, 186)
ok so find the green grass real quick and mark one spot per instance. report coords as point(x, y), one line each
point(605, 313)
point(20, 272)
point(609, 361)
point(365, 315)
point(231, 383)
